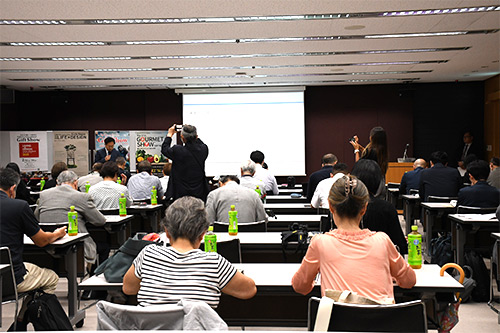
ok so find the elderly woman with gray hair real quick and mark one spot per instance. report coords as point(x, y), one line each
point(162, 275)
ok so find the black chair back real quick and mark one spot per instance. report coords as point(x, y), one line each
point(403, 317)
point(231, 250)
point(259, 226)
point(433, 198)
point(9, 287)
point(475, 210)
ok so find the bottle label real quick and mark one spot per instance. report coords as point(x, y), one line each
point(415, 250)
point(153, 197)
point(210, 243)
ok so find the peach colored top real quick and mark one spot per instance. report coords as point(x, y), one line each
point(362, 261)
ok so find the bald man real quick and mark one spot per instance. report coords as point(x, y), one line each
point(411, 179)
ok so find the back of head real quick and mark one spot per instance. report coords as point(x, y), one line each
point(144, 166)
point(340, 167)
point(329, 159)
point(439, 157)
point(495, 161)
point(57, 168)
point(248, 167)
point(97, 166)
point(378, 141)
point(109, 170)
point(257, 156)
point(167, 168)
point(186, 218)
point(348, 196)
point(8, 178)
point(189, 133)
point(14, 167)
point(368, 171)
point(479, 169)
point(66, 177)
point(419, 163)
point(229, 178)
point(121, 161)
point(470, 158)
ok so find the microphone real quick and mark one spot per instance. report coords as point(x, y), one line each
point(406, 150)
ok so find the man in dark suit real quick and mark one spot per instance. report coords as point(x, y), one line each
point(108, 153)
point(469, 148)
point(411, 179)
point(327, 162)
point(479, 194)
point(187, 176)
point(439, 180)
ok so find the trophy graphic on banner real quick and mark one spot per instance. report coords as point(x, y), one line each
point(70, 155)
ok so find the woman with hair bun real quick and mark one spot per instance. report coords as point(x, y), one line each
point(350, 258)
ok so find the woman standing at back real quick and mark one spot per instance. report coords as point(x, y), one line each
point(350, 258)
point(375, 150)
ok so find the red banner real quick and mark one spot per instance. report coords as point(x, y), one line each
point(28, 149)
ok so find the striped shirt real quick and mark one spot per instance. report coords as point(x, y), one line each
point(168, 275)
point(106, 194)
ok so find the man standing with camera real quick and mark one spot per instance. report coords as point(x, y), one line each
point(188, 164)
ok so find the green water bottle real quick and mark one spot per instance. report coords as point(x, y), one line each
point(415, 248)
point(118, 181)
point(259, 192)
point(87, 187)
point(122, 204)
point(210, 240)
point(154, 200)
point(72, 222)
point(233, 221)
point(42, 184)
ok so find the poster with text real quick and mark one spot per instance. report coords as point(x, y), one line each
point(71, 147)
point(146, 145)
point(122, 141)
point(29, 150)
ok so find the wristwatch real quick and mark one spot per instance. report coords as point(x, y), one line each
point(356, 151)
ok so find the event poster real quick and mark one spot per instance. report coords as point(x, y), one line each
point(29, 150)
point(71, 147)
point(146, 145)
point(122, 141)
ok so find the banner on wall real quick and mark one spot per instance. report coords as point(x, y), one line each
point(146, 145)
point(71, 147)
point(122, 141)
point(29, 150)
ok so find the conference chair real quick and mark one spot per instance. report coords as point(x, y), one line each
point(231, 250)
point(345, 317)
point(434, 198)
point(243, 226)
point(475, 210)
point(9, 288)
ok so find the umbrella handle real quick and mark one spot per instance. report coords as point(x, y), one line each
point(458, 268)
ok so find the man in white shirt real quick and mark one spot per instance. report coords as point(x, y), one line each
point(247, 170)
point(263, 174)
point(141, 184)
point(93, 178)
point(106, 194)
point(320, 196)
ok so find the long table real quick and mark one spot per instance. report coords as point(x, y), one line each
point(65, 248)
point(281, 222)
point(285, 199)
point(291, 208)
point(277, 304)
point(467, 225)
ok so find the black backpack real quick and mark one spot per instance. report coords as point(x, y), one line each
point(299, 235)
point(441, 252)
point(481, 293)
point(46, 313)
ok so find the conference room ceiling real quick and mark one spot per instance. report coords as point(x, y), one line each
point(146, 44)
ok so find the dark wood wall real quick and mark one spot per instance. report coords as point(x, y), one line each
point(427, 116)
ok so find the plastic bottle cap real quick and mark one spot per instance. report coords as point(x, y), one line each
point(154, 187)
point(72, 208)
point(414, 227)
point(232, 207)
point(123, 195)
point(211, 228)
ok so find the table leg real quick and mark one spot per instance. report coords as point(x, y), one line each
point(428, 232)
point(460, 244)
point(70, 260)
point(408, 216)
point(153, 219)
point(0, 298)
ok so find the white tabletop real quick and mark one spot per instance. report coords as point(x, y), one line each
point(259, 238)
point(495, 235)
point(284, 196)
point(117, 218)
point(411, 196)
point(145, 207)
point(4, 267)
point(61, 241)
point(475, 217)
point(437, 205)
point(290, 205)
point(283, 186)
point(290, 190)
point(296, 218)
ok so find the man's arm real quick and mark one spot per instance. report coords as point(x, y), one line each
point(42, 238)
point(131, 283)
point(240, 286)
point(91, 213)
point(99, 157)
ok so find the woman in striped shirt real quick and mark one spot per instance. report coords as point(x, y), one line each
point(161, 275)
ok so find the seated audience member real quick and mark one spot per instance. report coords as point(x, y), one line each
point(167, 168)
point(479, 194)
point(123, 173)
point(350, 258)
point(465, 180)
point(55, 203)
point(56, 170)
point(93, 178)
point(106, 194)
point(439, 180)
point(247, 179)
point(327, 162)
point(141, 184)
point(246, 201)
point(17, 220)
point(494, 177)
point(380, 214)
point(411, 179)
point(108, 153)
point(320, 197)
point(161, 275)
point(263, 174)
point(22, 191)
